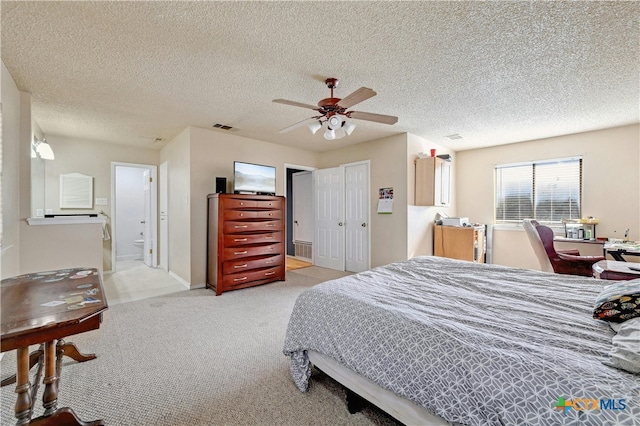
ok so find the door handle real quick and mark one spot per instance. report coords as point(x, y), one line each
point(364, 225)
point(339, 223)
point(142, 221)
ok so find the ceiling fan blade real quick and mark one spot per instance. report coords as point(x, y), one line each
point(369, 116)
point(362, 94)
point(300, 124)
point(294, 103)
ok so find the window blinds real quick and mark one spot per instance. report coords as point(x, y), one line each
point(547, 191)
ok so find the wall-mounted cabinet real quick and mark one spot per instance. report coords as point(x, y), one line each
point(433, 182)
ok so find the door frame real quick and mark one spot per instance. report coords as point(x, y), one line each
point(288, 189)
point(153, 207)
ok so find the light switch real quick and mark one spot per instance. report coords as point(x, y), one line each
point(39, 213)
point(102, 201)
point(49, 211)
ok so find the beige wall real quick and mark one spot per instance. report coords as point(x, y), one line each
point(90, 158)
point(195, 158)
point(177, 155)
point(611, 185)
point(51, 247)
point(11, 162)
point(388, 168)
point(420, 219)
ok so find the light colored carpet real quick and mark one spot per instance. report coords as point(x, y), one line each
point(193, 358)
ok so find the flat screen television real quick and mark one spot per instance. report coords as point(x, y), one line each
point(253, 179)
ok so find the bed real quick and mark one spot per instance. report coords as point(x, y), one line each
point(440, 341)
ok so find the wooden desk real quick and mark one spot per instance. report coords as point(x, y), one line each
point(615, 270)
point(43, 308)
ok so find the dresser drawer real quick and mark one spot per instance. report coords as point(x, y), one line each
point(242, 265)
point(242, 252)
point(275, 204)
point(236, 203)
point(236, 227)
point(252, 214)
point(245, 277)
point(235, 240)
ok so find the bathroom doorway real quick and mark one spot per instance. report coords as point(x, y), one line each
point(133, 214)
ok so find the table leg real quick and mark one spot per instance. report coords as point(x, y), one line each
point(33, 360)
point(71, 350)
point(23, 401)
point(68, 349)
point(50, 396)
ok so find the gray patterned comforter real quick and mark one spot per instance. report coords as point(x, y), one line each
point(473, 343)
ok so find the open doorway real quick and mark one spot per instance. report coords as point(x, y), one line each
point(299, 184)
point(133, 215)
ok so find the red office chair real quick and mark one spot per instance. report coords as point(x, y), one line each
point(561, 262)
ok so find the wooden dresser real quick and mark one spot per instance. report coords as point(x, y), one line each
point(246, 241)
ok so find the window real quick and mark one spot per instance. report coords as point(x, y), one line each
point(548, 191)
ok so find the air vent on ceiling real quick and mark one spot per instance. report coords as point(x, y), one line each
point(224, 127)
point(453, 136)
point(157, 140)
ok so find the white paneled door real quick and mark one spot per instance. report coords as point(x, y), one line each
point(329, 226)
point(356, 214)
point(342, 217)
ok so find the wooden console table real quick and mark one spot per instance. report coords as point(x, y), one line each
point(43, 308)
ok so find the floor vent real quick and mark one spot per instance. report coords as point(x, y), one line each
point(303, 249)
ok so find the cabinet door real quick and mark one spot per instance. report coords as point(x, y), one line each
point(443, 183)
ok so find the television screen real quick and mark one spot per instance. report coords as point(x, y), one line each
point(254, 178)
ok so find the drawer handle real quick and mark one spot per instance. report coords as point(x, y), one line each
point(241, 214)
point(271, 224)
point(240, 239)
point(270, 248)
point(270, 214)
point(270, 273)
point(269, 237)
point(240, 279)
point(240, 266)
point(269, 261)
point(242, 204)
point(240, 252)
point(241, 226)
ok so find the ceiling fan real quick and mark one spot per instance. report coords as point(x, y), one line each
point(333, 112)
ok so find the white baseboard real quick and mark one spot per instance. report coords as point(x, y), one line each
point(180, 279)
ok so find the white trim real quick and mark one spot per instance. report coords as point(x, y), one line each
point(65, 220)
point(183, 282)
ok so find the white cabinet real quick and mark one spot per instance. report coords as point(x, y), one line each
point(433, 182)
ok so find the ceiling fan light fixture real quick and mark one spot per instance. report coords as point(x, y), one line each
point(314, 126)
point(348, 127)
point(340, 133)
point(329, 134)
point(335, 121)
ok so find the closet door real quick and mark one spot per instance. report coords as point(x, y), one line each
point(341, 196)
point(329, 222)
point(356, 217)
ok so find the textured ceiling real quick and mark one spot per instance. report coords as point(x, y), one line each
point(493, 72)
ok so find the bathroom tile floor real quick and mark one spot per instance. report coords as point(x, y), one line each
point(133, 280)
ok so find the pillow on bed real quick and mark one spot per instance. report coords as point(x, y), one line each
point(618, 302)
point(625, 352)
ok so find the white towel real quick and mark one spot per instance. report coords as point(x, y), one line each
point(106, 235)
